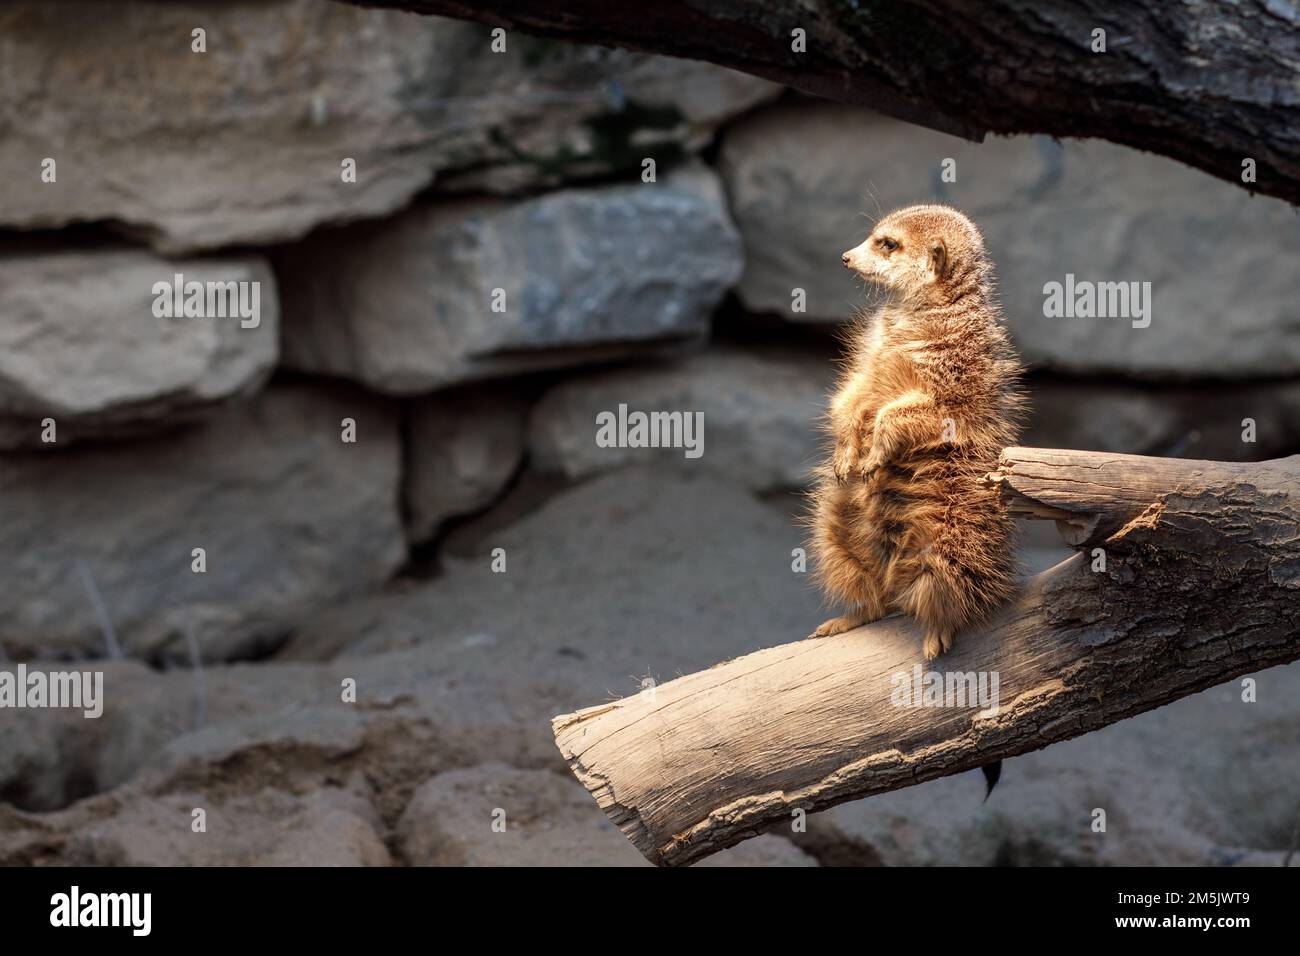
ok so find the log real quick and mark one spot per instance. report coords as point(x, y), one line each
point(1190, 577)
point(1209, 84)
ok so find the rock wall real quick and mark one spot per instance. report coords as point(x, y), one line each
point(243, 143)
point(392, 475)
point(1092, 209)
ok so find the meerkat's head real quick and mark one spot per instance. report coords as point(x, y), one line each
point(915, 251)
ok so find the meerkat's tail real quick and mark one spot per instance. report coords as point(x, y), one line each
point(943, 602)
point(992, 773)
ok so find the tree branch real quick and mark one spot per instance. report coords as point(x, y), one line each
point(1209, 84)
point(1200, 584)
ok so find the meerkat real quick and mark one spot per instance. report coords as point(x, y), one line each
point(901, 517)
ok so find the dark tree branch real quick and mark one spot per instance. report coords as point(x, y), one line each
point(1210, 84)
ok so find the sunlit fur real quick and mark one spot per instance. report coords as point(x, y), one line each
point(901, 518)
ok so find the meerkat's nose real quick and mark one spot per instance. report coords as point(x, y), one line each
point(845, 259)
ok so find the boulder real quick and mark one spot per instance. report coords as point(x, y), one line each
point(634, 574)
point(244, 142)
point(288, 514)
point(82, 342)
point(452, 291)
point(496, 815)
point(762, 406)
point(150, 823)
point(462, 448)
point(807, 180)
point(269, 827)
point(397, 717)
point(760, 412)
point(50, 757)
point(1167, 421)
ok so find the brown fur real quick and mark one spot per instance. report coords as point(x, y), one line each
point(901, 518)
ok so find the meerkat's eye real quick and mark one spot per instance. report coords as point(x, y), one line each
point(889, 245)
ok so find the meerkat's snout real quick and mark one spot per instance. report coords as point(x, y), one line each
point(857, 260)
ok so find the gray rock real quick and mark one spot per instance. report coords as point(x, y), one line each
point(767, 849)
point(633, 574)
point(139, 826)
point(462, 448)
point(50, 757)
point(80, 343)
point(321, 733)
point(806, 179)
point(407, 306)
point(270, 827)
point(290, 516)
point(1205, 781)
point(541, 819)
point(289, 89)
point(188, 725)
point(496, 815)
point(431, 708)
point(273, 766)
point(1104, 417)
point(760, 408)
point(1173, 422)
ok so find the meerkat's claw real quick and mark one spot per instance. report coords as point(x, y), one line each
point(872, 463)
point(842, 464)
point(937, 643)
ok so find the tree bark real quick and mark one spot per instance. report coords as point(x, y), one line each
point(1210, 84)
point(1200, 584)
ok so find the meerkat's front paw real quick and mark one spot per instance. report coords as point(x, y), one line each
point(874, 461)
point(838, 625)
point(844, 461)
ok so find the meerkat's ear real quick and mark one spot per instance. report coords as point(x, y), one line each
point(939, 259)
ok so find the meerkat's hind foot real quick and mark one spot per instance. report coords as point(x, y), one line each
point(838, 625)
point(938, 642)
